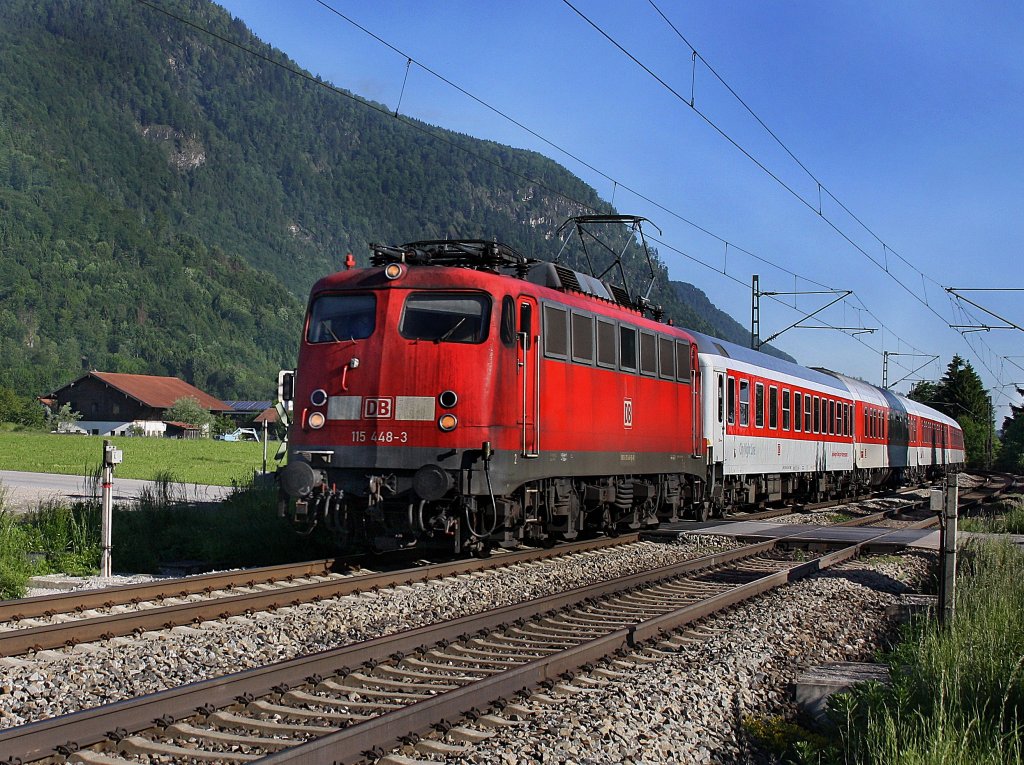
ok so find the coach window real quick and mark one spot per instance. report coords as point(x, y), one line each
point(556, 332)
point(785, 409)
point(797, 411)
point(759, 405)
point(847, 420)
point(582, 338)
point(807, 412)
point(627, 348)
point(667, 358)
point(773, 407)
point(832, 417)
point(648, 354)
point(731, 396)
point(683, 361)
point(526, 325)
point(744, 403)
point(721, 398)
point(867, 424)
point(605, 343)
point(817, 415)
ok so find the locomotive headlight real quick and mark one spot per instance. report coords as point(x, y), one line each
point(447, 422)
point(448, 399)
point(393, 270)
point(317, 420)
point(318, 397)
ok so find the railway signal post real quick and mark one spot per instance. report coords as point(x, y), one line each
point(111, 457)
point(944, 501)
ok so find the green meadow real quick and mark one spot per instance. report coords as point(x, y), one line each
point(205, 461)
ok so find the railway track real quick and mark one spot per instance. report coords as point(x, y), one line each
point(333, 704)
point(68, 619)
point(336, 705)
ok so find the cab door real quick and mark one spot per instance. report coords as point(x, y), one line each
point(528, 365)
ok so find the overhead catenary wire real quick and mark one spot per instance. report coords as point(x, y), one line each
point(410, 61)
point(884, 266)
point(616, 183)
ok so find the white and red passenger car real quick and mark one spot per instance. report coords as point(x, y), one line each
point(777, 429)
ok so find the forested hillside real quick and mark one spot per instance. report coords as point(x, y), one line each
point(166, 200)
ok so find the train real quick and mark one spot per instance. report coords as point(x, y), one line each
point(458, 396)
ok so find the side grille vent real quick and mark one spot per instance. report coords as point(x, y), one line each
point(620, 295)
point(568, 278)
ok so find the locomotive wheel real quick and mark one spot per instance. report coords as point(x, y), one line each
point(701, 512)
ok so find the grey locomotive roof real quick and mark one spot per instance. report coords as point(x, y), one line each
point(708, 344)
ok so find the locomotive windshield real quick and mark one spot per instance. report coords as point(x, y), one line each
point(445, 317)
point(334, 318)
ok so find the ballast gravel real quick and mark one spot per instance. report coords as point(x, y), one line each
point(57, 682)
point(690, 705)
point(686, 707)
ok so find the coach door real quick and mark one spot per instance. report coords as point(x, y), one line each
point(717, 422)
point(529, 375)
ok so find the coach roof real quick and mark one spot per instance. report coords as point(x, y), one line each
point(715, 346)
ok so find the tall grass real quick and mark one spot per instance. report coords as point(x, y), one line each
point(244, 530)
point(1006, 517)
point(164, 526)
point(53, 538)
point(957, 693)
point(15, 568)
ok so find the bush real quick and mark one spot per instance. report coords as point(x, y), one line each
point(244, 530)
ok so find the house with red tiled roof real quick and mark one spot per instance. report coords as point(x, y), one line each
point(113, 404)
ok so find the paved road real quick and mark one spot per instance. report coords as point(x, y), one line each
point(25, 491)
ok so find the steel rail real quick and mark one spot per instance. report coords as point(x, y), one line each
point(82, 600)
point(90, 727)
point(389, 729)
point(47, 636)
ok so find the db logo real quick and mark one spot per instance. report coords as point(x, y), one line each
point(377, 408)
point(627, 412)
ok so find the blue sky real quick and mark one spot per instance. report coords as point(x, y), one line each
point(909, 113)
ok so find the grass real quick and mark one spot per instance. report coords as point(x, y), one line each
point(203, 461)
point(244, 530)
point(957, 694)
point(52, 539)
point(164, 527)
point(1006, 517)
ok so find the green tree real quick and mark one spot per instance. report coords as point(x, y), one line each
point(1011, 456)
point(189, 411)
point(961, 394)
point(21, 410)
point(64, 419)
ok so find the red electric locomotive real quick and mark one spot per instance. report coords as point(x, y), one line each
point(458, 395)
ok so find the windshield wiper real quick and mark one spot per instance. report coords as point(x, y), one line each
point(448, 334)
point(325, 325)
